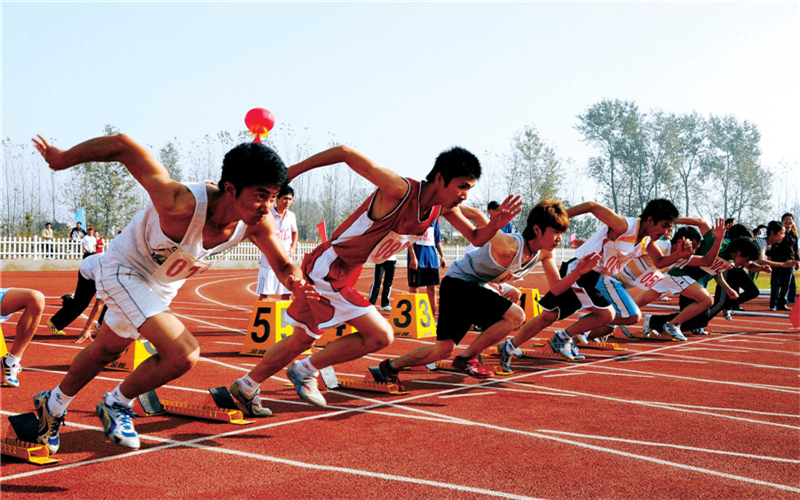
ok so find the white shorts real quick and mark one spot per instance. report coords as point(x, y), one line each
point(268, 283)
point(673, 285)
point(131, 299)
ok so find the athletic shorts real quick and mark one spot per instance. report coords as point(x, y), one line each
point(268, 283)
point(3, 294)
point(592, 291)
point(463, 304)
point(427, 276)
point(673, 285)
point(339, 303)
point(130, 299)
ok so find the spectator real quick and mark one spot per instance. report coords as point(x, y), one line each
point(728, 223)
point(491, 208)
point(782, 240)
point(77, 233)
point(89, 243)
point(286, 227)
point(47, 236)
point(100, 243)
point(423, 264)
point(383, 272)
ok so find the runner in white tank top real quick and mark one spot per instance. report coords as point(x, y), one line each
point(395, 215)
point(171, 240)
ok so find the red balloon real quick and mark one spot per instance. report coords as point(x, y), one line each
point(259, 122)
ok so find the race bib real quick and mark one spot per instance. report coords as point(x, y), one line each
point(390, 245)
point(179, 266)
point(717, 267)
point(649, 279)
point(428, 238)
point(613, 263)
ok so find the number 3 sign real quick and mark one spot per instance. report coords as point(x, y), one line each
point(411, 316)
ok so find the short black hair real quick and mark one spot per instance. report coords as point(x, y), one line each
point(546, 213)
point(787, 214)
point(739, 231)
point(455, 162)
point(774, 227)
point(745, 247)
point(728, 221)
point(660, 209)
point(492, 205)
point(285, 189)
point(252, 164)
point(688, 232)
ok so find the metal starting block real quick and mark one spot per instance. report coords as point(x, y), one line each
point(603, 346)
point(152, 405)
point(331, 381)
point(24, 446)
point(447, 365)
point(542, 351)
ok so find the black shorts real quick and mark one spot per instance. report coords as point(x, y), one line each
point(463, 304)
point(423, 277)
point(568, 302)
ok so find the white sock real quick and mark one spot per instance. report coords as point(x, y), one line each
point(305, 369)
point(58, 401)
point(116, 396)
point(509, 346)
point(248, 385)
point(12, 360)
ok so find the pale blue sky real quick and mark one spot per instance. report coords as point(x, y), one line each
point(399, 81)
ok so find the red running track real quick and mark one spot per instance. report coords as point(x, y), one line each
point(716, 417)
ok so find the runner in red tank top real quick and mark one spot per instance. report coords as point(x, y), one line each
point(390, 220)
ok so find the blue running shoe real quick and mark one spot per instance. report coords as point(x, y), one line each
point(583, 338)
point(505, 358)
point(306, 387)
point(10, 373)
point(48, 423)
point(117, 424)
point(565, 348)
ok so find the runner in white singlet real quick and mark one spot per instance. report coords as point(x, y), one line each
point(174, 238)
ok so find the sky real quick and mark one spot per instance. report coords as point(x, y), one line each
point(400, 82)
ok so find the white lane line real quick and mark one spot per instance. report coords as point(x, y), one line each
point(733, 350)
point(642, 358)
point(197, 291)
point(675, 446)
point(759, 341)
point(740, 363)
point(190, 318)
point(467, 394)
point(533, 390)
point(717, 408)
point(227, 343)
point(589, 372)
point(567, 374)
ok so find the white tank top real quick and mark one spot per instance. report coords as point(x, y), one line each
point(616, 254)
point(478, 265)
point(143, 246)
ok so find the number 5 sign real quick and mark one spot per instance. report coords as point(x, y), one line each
point(529, 302)
point(411, 316)
point(267, 326)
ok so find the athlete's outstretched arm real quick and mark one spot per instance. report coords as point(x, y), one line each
point(697, 222)
point(509, 209)
point(265, 237)
point(167, 194)
point(389, 182)
point(559, 285)
point(614, 221)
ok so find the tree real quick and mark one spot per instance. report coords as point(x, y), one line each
point(170, 158)
point(735, 171)
point(687, 158)
point(614, 127)
point(532, 169)
point(106, 191)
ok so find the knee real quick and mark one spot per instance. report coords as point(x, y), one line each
point(632, 320)
point(179, 364)
point(606, 315)
point(381, 339)
point(706, 301)
point(36, 302)
point(514, 295)
point(549, 317)
point(443, 349)
point(515, 315)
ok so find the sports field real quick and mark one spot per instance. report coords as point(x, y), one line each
point(717, 417)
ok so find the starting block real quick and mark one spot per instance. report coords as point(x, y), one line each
point(24, 446)
point(3, 348)
point(541, 351)
point(529, 302)
point(133, 356)
point(447, 365)
point(412, 316)
point(332, 334)
point(603, 346)
point(331, 381)
point(152, 405)
point(625, 333)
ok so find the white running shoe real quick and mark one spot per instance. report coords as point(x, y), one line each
point(674, 332)
point(252, 404)
point(306, 387)
point(117, 424)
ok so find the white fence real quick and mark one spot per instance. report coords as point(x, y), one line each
point(36, 248)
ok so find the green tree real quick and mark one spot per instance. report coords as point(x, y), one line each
point(532, 169)
point(169, 156)
point(106, 191)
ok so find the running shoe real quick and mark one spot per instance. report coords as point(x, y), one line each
point(505, 358)
point(472, 367)
point(251, 404)
point(700, 331)
point(48, 423)
point(674, 332)
point(390, 374)
point(53, 329)
point(306, 387)
point(565, 348)
point(583, 338)
point(10, 373)
point(386, 308)
point(646, 324)
point(117, 424)
point(727, 315)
